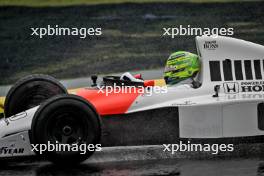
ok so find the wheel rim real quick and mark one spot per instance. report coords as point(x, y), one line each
point(64, 127)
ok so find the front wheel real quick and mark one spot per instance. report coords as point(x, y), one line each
point(31, 91)
point(70, 120)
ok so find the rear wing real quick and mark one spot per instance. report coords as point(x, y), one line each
point(226, 59)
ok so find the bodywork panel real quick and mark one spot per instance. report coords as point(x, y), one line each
point(158, 126)
point(107, 104)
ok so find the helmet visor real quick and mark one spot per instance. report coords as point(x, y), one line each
point(172, 69)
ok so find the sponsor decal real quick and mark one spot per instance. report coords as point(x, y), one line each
point(256, 86)
point(243, 87)
point(11, 151)
point(210, 45)
point(231, 87)
point(18, 116)
point(184, 103)
point(254, 96)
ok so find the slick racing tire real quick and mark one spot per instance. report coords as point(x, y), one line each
point(70, 120)
point(31, 91)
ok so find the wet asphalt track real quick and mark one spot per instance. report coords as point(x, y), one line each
point(232, 167)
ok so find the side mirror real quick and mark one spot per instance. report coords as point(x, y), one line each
point(94, 80)
point(216, 89)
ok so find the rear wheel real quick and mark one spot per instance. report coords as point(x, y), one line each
point(67, 119)
point(31, 91)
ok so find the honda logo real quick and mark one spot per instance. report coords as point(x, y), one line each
point(231, 87)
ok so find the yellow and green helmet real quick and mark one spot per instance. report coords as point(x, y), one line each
point(181, 65)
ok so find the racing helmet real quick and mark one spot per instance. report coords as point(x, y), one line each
point(181, 65)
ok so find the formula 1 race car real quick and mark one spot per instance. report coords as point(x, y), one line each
point(228, 104)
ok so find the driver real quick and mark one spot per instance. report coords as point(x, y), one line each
point(181, 69)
